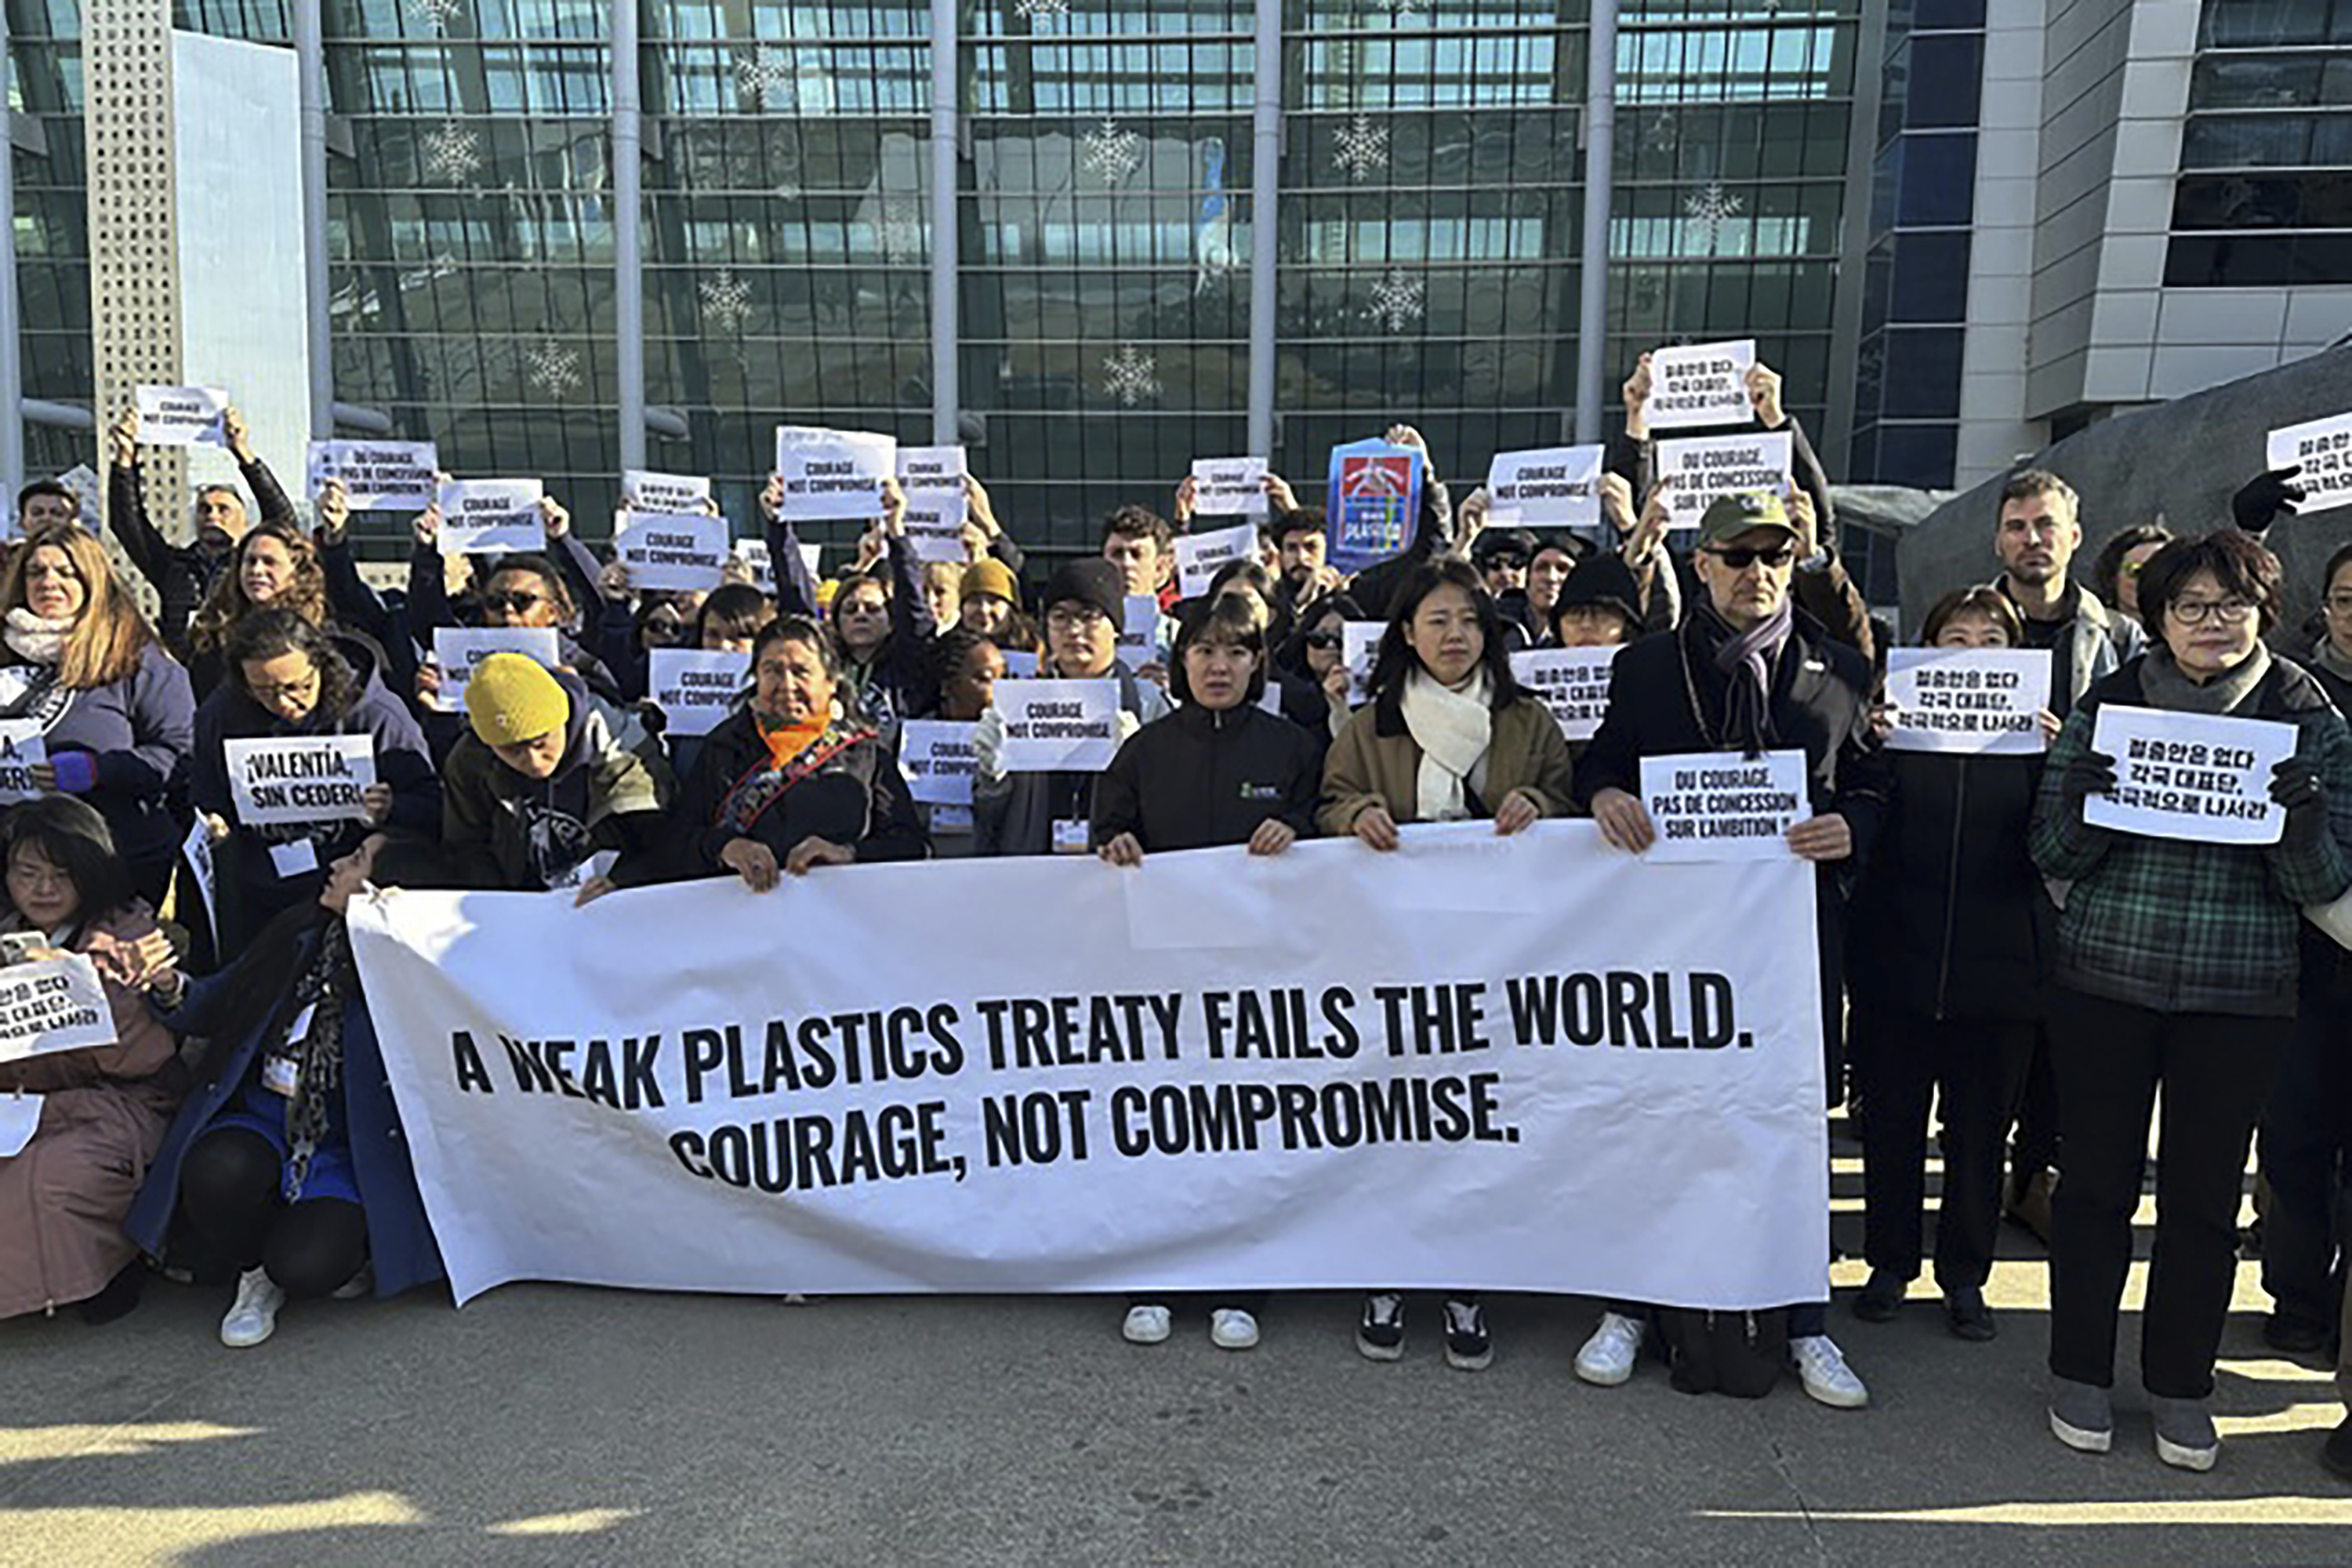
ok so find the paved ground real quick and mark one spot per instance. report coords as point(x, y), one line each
point(552, 1424)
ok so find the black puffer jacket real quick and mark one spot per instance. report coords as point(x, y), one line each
point(1952, 919)
point(1197, 778)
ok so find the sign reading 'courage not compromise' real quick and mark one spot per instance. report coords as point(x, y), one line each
point(849, 1084)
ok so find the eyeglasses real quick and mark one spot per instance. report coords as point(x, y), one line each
point(511, 604)
point(2339, 603)
point(2197, 612)
point(1325, 639)
point(1074, 617)
point(307, 685)
point(1740, 557)
point(1506, 564)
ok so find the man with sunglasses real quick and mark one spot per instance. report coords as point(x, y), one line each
point(1748, 671)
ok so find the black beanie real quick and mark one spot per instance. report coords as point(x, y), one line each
point(1089, 580)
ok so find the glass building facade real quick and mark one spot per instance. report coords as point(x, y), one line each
point(1428, 225)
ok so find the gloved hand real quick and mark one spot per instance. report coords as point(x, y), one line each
point(1127, 725)
point(76, 770)
point(2093, 772)
point(2264, 497)
point(987, 745)
point(2295, 785)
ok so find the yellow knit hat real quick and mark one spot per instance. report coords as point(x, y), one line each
point(511, 700)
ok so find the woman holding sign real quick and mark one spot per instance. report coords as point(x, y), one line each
point(796, 778)
point(77, 1126)
point(113, 708)
point(1949, 943)
point(289, 682)
point(1448, 736)
point(2177, 966)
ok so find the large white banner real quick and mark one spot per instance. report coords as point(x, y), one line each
point(1524, 1064)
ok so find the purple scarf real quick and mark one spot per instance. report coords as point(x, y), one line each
point(1745, 660)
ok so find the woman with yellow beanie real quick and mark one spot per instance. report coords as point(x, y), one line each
point(538, 794)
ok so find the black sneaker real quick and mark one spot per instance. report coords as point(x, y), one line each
point(1881, 1299)
point(1380, 1336)
point(1966, 1314)
point(2336, 1454)
point(2295, 1336)
point(1467, 1345)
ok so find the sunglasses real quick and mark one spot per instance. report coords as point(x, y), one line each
point(1506, 563)
point(1325, 639)
point(511, 604)
point(1740, 557)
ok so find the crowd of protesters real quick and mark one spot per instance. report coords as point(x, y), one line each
point(2001, 978)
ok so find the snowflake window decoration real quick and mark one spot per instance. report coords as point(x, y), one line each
point(452, 153)
point(434, 13)
point(1399, 300)
point(552, 369)
point(1709, 208)
point(1033, 9)
point(1363, 149)
point(726, 301)
point(1131, 375)
point(1110, 152)
point(767, 74)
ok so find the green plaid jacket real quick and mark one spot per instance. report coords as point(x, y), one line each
point(2185, 927)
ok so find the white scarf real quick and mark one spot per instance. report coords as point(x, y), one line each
point(1453, 730)
point(36, 637)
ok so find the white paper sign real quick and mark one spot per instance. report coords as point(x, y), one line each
point(457, 649)
point(2190, 775)
point(1967, 699)
point(1574, 682)
point(833, 474)
point(181, 415)
point(1721, 806)
point(1228, 487)
point(1706, 467)
point(22, 748)
point(196, 853)
point(1555, 487)
point(1360, 648)
point(379, 475)
point(301, 778)
point(754, 555)
point(2323, 449)
point(932, 478)
point(53, 1005)
point(695, 689)
point(1705, 383)
point(1138, 637)
point(1058, 726)
point(671, 552)
point(1199, 555)
point(644, 490)
point(491, 517)
point(936, 757)
point(20, 1117)
point(1019, 663)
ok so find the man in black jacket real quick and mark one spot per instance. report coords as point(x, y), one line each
point(182, 574)
point(1748, 672)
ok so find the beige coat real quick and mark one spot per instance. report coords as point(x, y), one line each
point(1375, 763)
point(103, 1115)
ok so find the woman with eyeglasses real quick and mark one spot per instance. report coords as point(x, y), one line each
point(289, 677)
point(115, 712)
point(2176, 967)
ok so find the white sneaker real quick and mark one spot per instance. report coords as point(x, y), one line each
point(1145, 1325)
point(253, 1316)
point(1230, 1328)
point(1608, 1357)
point(1825, 1376)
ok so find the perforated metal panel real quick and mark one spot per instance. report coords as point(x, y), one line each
point(134, 268)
